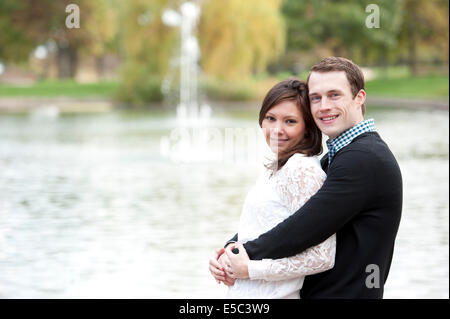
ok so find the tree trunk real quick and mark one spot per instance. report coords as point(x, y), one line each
point(364, 55)
point(67, 61)
point(412, 52)
point(100, 66)
point(384, 61)
point(412, 45)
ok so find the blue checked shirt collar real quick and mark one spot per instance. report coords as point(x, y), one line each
point(337, 143)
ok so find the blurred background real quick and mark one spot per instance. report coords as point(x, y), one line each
point(93, 202)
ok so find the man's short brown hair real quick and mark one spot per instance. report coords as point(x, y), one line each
point(353, 72)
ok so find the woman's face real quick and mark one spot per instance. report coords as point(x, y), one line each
point(283, 126)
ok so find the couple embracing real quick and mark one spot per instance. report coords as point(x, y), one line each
point(315, 229)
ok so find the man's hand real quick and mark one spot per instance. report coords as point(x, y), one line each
point(216, 267)
point(237, 264)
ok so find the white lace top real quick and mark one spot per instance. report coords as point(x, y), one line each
point(268, 203)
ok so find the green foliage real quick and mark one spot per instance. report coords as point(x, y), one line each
point(14, 44)
point(29, 24)
point(339, 27)
point(102, 27)
point(139, 90)
point(239, 38)
point(222, 90)
point(230, 38)
point(147, 48)
point(424, 32)
point(408, 29)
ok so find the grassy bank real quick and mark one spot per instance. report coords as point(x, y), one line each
point(435, 87)
point(60, 89)
point(431, 87)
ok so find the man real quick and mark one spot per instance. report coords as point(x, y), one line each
point(360, 201)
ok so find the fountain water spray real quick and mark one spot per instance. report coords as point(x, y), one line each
point(189, 112)
point(193, 140)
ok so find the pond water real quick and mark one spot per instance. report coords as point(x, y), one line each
point(98, 206)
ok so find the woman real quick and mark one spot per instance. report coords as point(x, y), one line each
point(286, 184)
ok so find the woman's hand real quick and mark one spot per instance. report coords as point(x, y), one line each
point(215, 268)
point(216, 262)
point(237, 266)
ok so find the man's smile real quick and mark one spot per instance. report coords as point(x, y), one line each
point(328, 119)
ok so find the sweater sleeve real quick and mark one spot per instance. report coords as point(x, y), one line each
point(345, 192)
point(232, 240)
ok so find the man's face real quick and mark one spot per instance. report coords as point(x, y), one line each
point(332, 104)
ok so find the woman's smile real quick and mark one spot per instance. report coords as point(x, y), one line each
point(278, 141)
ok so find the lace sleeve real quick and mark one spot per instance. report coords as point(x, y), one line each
point(312, 261)
point(295, 185)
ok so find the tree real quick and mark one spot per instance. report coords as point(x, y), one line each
point(146, 47)
point(32, 23)
point(238, 38)
point(409, 30)
point(14, 44)
point(424, 28)
point(102, 27)
point(339, 28)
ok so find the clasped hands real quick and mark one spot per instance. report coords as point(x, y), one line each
point(226, 267)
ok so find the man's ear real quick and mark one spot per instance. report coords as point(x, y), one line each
point(360, 98)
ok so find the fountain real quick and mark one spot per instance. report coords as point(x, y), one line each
point(188, 141)
point(189, 112)
point(193, 140)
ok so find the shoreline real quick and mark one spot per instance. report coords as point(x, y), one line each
point(63, 104)
point(102, 104)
